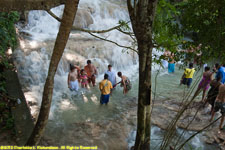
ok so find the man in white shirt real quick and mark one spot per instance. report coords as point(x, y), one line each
point(112, 75)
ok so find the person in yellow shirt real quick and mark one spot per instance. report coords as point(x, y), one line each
point(105, 87)
point(188, 75)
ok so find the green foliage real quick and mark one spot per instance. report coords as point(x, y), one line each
point(9, 123)
point(166, 27)
point(124, 25)
point(6, 119)
point(8, 40)
point(204, 22)
point(7, 31)
point(167, 30)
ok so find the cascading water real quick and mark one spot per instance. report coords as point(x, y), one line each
point(71, 112)
point(78, 118)
point(35, 53)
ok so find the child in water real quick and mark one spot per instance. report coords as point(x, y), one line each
point(84, 79)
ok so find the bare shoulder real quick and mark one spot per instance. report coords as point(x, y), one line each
point(93, 66)
point(222, 87)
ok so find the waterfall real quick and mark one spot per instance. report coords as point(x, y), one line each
point(32, 60)
point(33, 57)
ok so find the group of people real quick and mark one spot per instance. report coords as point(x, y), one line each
point(83, 76)
point(87, 76)
point(216, 94)
point(191, 54)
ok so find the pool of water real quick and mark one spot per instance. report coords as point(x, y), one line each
point(84, 107)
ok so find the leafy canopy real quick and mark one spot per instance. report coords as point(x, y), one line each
point(204, 22)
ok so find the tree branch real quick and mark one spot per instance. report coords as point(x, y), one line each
point(127, 47)
point(124, 32)
point(53, 15)
point(21, 5)
point(96, 31)
point(92, 31)
point(100, 31)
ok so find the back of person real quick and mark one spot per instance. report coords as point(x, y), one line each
point(112, 77)
point(206, 79)
point(128, 83)
point(221, 95)
point(89, 70)
point(221, 73)
point(189, 72)
point(214, 90)
point(105, 86)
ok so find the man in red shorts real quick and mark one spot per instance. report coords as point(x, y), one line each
point(91, 72)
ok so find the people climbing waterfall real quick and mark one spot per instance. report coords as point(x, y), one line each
point(213, 92)
point(84, 79)
point(125, 83)
point(188, 75)
point(91, 71)
point(112, 75)
point(171, 62)
point(220, 105)
point(204, 83)
point(105, 87)
point(72, 81)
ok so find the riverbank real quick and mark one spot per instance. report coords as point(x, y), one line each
point(165, 110)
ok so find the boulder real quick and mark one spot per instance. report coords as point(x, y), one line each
point(83, 19)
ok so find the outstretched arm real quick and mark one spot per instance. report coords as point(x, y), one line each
point(77, 67)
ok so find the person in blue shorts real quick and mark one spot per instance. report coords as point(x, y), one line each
point(188, 75)
point(171, 62)
point(105, 87)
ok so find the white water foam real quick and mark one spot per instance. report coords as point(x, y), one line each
point(32, 62)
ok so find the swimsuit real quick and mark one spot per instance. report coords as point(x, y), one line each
point(128, 84)
point(74, 86)
point(204, 84)
point(171, 67)
point(213, 92)
point(83, 79)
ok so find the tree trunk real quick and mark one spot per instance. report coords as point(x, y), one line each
point(61, 40)
point(142, 14)
point(144, 95)
point(21, 5)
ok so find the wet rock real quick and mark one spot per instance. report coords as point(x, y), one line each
point(164, 112)
point(83, 19)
